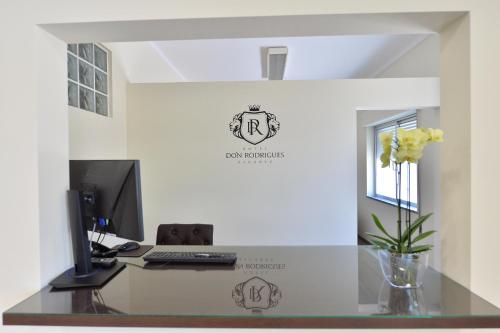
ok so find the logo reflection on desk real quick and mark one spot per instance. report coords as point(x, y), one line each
point(256, 294)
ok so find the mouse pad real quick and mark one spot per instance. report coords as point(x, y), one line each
point(134, 253)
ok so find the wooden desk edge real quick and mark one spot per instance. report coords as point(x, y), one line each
point(247, 322)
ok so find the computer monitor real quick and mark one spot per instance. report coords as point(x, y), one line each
point(116, 185)
point(103, 195)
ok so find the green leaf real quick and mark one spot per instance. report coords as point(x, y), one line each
point(403, 247)
point(420, 248)
point(379, 244)
point(422, 236)
point(414, 226)
point(389, 241)
point(376, 242)
point(380, 226)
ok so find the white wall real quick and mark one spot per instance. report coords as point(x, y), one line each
point(429, 184)
point(180, 133)
point(52, 156)
point(420, 61)
point(457, 223)
point(19, 126)
point(18, 163)
point(485, 179)
point(92, 136)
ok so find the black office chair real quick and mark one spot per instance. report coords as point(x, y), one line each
point(185, 234)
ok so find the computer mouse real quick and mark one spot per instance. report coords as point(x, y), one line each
point(129, 246)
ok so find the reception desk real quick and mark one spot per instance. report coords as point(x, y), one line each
point(286, 287)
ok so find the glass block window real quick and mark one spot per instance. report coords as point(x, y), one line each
point(89, 77)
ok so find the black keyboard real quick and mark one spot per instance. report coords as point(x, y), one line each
point(220, 258)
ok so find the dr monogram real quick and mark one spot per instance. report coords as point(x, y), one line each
point(254, 126)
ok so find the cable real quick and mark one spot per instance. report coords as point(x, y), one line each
point(99, 237)
point(104, 236)
point(91, 237)
point(99, 297)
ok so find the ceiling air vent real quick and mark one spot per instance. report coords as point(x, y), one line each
point(276, 62)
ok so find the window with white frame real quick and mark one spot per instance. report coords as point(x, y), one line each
point(89, 77)
point(384, 180)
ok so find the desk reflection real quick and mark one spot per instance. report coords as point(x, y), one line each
point(297, 281)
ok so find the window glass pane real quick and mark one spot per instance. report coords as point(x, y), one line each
point(385, 178)
point(72, 48)
point(386, 181)
point(101, 104)
point(413, 182)
point(101, 59)
point(72, 94)
point(86, 51)
point(72, 67)
point(86, 99)
point(86, 74)
point(101, 82)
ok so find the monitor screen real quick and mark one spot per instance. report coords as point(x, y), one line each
point(116, 188)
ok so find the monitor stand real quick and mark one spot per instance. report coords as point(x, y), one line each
point(97, 278)
point(83, 274)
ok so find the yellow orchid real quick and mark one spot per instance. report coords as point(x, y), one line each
point(386, 140)
point(409, 144)
point(406, 146)
point(386, 159)
point(407, 155)
point(437, 135)
point(434, 134)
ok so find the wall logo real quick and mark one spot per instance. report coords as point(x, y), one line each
point(256, 294)
point(254, 126)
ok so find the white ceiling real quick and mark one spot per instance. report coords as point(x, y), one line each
point(309, 58)
point(283, 25)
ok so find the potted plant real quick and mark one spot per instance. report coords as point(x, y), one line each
point(403, 258)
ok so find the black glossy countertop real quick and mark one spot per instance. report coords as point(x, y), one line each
point(285, 286)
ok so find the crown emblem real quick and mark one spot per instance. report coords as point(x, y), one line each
point(254, 107)
point(254, 126)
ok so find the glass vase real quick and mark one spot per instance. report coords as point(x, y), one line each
point(403, 270)
point(401, 301)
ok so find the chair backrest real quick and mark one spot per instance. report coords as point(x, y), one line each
point(185, 234)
